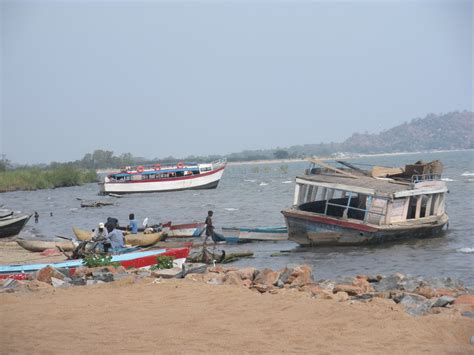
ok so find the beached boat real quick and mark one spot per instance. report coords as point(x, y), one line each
point(140, 239)
point(42, 245)
point(349, 205)
point(157, 178)
point(136, 259)
point(186, 230)
point(12, 223)
point(249, 234)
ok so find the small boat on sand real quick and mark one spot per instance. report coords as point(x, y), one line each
point(140, 239)
point(186, 230)
point(158, 178)
point(347, 204)
point(12, 223)
point(42, 245)
point(136, 259)
point(234, 234)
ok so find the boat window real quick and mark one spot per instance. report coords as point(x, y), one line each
point(412, 207)
point(433, 204)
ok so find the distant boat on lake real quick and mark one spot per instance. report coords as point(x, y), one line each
point(157, 178)
point(12, 223)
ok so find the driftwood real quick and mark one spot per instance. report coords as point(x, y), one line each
point(96, 204)
point(207, 256)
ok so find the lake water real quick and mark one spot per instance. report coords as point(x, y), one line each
point(253, 195)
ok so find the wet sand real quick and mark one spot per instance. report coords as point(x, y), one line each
point(188, 316)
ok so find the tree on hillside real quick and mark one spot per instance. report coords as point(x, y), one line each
point(281, 154)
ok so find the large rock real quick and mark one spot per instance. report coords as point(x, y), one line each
point(425, 291)
point(364, 285)
point(45, 274)
point(104, 276)
point(58, 283)
point(467, 299)
point(388, 283)
point(301, 276)
point(443, 301)
point(194, 268)
point(233, 278)
point(247, 273)
point(173, 273)
point(415, 305)
point(341, 296)
point(349, 289)
point(266, 277)
point(284, 276)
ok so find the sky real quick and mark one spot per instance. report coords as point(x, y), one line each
point(160, 78)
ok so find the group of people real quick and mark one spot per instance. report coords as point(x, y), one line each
point(111, 239)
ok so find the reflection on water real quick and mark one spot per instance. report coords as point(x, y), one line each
point(253, 195)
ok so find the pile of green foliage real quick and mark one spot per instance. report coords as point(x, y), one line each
point(163, 262)
point(94, 260)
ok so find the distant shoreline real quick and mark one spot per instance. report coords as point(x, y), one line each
point(342, 157)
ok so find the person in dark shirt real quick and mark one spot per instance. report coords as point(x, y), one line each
point(209, 226)
point(210, 230)
point(36, 217)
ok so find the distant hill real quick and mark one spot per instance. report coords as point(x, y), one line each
point(453, 130)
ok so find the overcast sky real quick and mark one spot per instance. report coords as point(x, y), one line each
point(181, 78)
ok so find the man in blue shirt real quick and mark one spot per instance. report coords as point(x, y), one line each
point(133, 224)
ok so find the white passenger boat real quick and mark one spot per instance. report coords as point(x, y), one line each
point(157, 178)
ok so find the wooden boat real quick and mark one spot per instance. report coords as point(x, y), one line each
point(140, 239)
point(136, 259)
point(157, 178)
point(12, 223)
point(42, 245)
point(81, 234)
point(165, 227)
point(143, 239)
point(248, 234)
point(186, 230)
point(352, 206)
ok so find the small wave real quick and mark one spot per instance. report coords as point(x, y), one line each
point(248, 180)
point(287, 182)
point(231, 209)
point(467, 173)
point(263, 184)
point(447, 179)
point(466, 250)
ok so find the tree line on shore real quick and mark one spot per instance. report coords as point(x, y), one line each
point(445, 131)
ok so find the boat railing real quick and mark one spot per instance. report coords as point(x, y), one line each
point(218, 163)
point(347, 207)
point(425, 177)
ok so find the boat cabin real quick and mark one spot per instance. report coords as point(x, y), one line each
point(156, 172)
point(355, 194)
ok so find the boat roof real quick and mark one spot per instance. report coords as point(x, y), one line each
point(384, 186)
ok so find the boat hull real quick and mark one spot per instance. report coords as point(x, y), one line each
point(312, 230)
point(261, 234)
point(208, 180)
point(12, 225)
point(134, 259)
point(42, 245)
point(186, 230)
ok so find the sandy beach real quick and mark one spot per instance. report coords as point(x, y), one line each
point(187, 316)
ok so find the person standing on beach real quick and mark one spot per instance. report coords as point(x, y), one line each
point(36, 217)
point(209, 226)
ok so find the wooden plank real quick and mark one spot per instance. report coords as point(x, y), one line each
point(327, 166)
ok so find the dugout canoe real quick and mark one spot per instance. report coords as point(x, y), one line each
point(140, 239)
point(42, 245)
